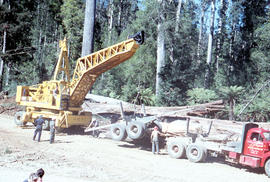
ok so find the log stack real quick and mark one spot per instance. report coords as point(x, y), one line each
point(222, 130)
point(104, 105)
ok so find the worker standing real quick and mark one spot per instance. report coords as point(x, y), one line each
point(38, 123)
point(154, 139)
point(52, 130)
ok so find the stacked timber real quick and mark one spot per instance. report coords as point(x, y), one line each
point(102, 105)
point(221, 131)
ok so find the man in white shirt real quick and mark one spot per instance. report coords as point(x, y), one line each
point(154, 139)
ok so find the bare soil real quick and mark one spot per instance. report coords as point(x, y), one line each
point(83, 158)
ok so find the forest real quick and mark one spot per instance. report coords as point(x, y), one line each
point(195, 51)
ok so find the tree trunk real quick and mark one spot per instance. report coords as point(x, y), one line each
point(222, 15)
point(7, 74)
point(210, 45)
point(88, 31)
point(231, 113)
point(176, 30)
point(178, 14)
point(200, 33)
point(3, 51)
point(233, 32)
point(160, 46)
point(38, 53)
point(110, 26)
point(2, 61)
point(119, 23)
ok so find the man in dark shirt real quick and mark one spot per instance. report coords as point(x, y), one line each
point(38, 123)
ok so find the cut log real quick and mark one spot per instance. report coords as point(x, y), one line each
point(113, 107)
point(222, 130)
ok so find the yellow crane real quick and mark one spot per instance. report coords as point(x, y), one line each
point(62, 98)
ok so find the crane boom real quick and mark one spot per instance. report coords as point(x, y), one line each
point(61, 98)
point(88, 68)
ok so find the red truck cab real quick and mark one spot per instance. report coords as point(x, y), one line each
point(257, 144)
point(254, 149)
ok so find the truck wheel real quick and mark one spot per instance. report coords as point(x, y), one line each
point(46, 125)
point(176, 149)
point(118, 132)
point(135, 130)
point(18, 118)
point(267, 168)
point(195, 153)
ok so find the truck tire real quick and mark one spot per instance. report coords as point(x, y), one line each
point(196, 153)
point(135, 130)
point(267, 168)
point(118, 132)
point(18, 117)
point(176, 149)
point(46, 125)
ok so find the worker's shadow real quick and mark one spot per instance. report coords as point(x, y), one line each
point(73, 130)
point(136, 145)
point(56, 141)
point(142, 144)
point(61, 141)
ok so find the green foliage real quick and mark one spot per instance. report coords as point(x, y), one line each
point(16, 17)
point(44, 40)
point(109, 82)
point(231, 93)
point(221, 78)
point(201, 95)
point(260, 54)
point(139, 71)
point(34, 28)
point(180, 70)
point(258, 110)
point(145, 96)
point(261, 104)
point(170, 96)
point(72, 12)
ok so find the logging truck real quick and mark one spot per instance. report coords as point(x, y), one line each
point(62, 97)
point(253, 150)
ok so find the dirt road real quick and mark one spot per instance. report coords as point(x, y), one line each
point(82, 158)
